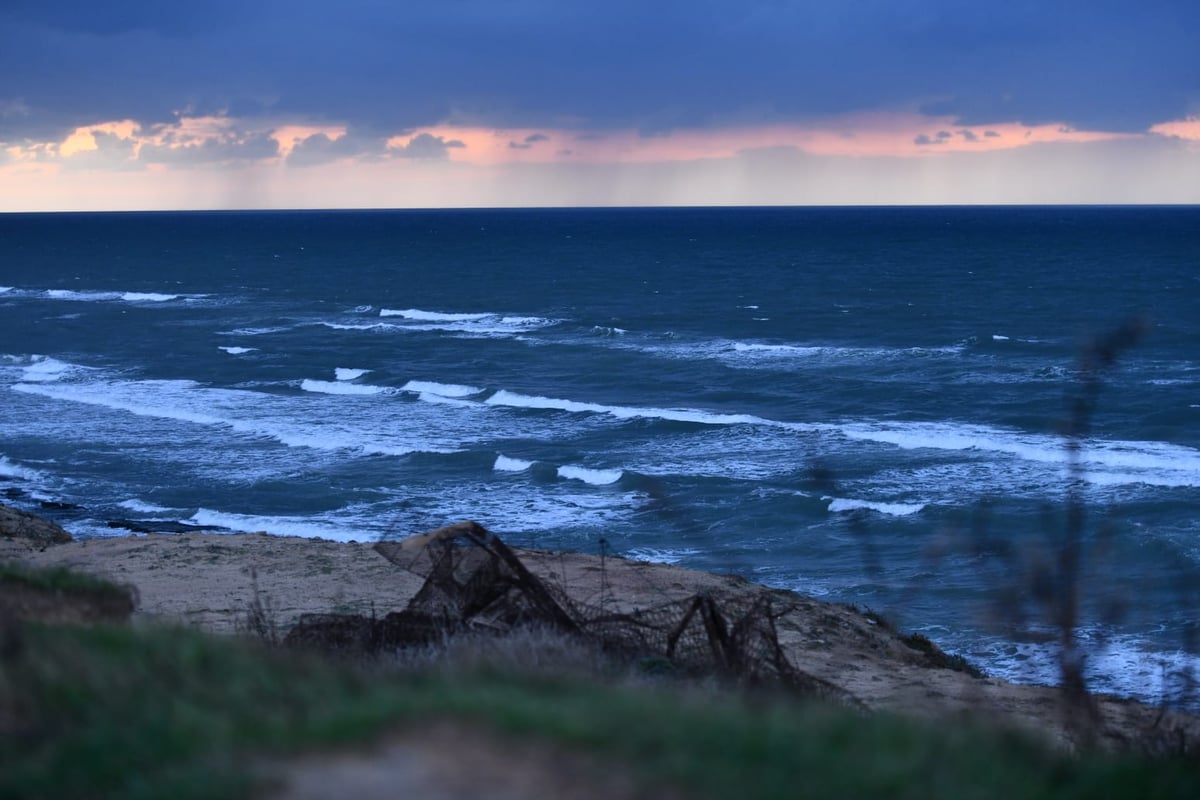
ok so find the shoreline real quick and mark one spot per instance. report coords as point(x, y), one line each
point(210, 581)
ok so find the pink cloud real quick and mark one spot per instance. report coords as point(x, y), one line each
point(1180, 129)
point(861, 135)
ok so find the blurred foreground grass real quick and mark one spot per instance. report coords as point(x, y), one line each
point(141, 713)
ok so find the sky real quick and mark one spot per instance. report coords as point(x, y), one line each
point(215, 104)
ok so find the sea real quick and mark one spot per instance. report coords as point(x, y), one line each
point(925, 412)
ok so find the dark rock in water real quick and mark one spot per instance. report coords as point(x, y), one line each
point(16, 524)
point(130, 525)
point(160, 526)
point(55, 505)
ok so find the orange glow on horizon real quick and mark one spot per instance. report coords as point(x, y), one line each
point(447, 165)
point(862, 135)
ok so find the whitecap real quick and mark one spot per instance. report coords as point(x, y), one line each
point(838, 504)
point(292, 421)
point(84, 297)
point(251, 331)
point(281, 526)
point(339, 387)
point(1105, 462)
point(342, 326)
point(596, 477)
point(779, 349)
point(45, 369)
point(515, 400)
point(141, 507)
point(345, 374)
point(95, 296)
point(506, 464)
point(148, 297)
point(10, 469)
point(430, 316)
point(440, 389)
point(237, 351)
point(479, 324)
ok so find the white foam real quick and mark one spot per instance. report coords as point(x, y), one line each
point(1104, 462)
point(515, 400)
point(596, 477)
point(45, 369)
point(506, 464)
point(94, 296)
point(838, 504)
point(998, 338)
point(67, 294)
point(1121, 665)
point(313, 421)
point(147, 297)
point(440, 389)
point(369, 326)
point(479, 324)
point(780, 349)
point(511, 509)
point(655, 555)
point(340, 387)
point(251, 331)
point(752, 353)
point(345, 374)
point(237, 351)
point(430, 316)
point(5, 289)
point(133, 504)
point(280, 526)
point(10, 469)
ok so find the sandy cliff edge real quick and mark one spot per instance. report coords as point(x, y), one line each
point(209, 581)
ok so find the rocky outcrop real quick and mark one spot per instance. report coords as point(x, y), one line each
point(38, 532)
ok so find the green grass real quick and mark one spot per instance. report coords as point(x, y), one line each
point(116, 712)
point(56, 579)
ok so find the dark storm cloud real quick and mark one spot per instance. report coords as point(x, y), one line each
point(212, 150)
point(426, 146)
point(321, 149)
point(385, 66)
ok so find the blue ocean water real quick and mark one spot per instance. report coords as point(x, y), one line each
point(865, 405)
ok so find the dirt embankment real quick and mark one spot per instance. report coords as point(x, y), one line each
point(213, 580)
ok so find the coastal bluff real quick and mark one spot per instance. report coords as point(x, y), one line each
point(211, 581)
